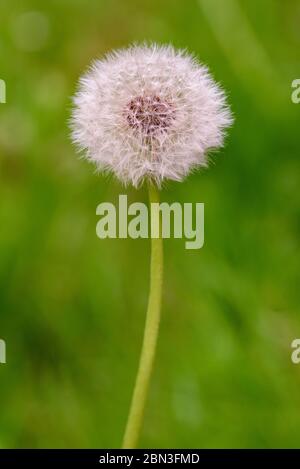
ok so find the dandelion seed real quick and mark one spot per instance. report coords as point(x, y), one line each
point(149, 112)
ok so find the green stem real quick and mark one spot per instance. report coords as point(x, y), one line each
point(136, 413)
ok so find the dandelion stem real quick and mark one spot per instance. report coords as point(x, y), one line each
point(136, 413)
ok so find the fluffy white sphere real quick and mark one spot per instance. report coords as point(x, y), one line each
point(149, 112)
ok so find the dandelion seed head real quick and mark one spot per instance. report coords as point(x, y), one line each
point(149, 112)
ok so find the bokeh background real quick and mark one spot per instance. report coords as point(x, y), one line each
point(72, 307)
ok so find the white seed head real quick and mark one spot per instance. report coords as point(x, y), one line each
point(149, 112)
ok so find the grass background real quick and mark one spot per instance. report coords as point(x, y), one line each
point(72, 306)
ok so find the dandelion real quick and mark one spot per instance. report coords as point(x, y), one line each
point(148, 113)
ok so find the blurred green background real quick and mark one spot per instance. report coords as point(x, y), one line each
point(72, 307)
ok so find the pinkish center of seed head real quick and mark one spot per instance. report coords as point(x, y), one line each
point(149, 114)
